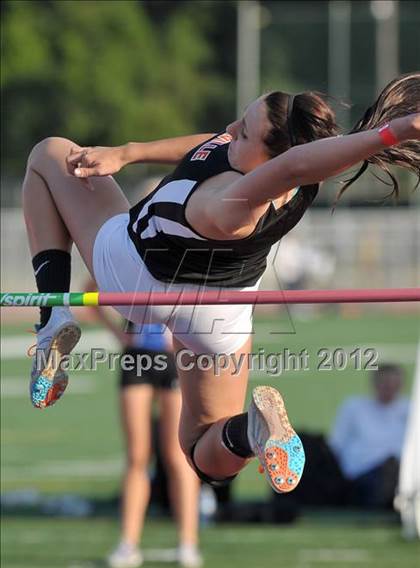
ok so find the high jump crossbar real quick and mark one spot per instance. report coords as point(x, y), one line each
point(224, 297)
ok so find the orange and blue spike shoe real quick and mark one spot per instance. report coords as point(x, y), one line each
point(54, 341)
point(273, 440)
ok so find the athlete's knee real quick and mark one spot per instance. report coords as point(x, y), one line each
point(174, 460)
point(188, 437)
point(186, 444)
point(53, 147)
point(203, 475)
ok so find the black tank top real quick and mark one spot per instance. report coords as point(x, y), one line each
point(174, 252)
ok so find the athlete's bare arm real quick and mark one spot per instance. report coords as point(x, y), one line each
point(102, 161)
point(244, 200)
point(168, 151)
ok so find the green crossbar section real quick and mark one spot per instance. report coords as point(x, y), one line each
point(50, 299)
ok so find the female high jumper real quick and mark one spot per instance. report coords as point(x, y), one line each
point(208, 225)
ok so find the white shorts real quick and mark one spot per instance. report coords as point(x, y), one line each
point(203, 329)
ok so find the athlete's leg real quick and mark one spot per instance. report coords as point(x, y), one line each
point(208, 401)
point(60, 208)
point(184, 485)
point(219, 439)
point(45, 227)
point(136, 403)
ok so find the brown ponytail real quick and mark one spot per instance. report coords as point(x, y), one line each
point(399, 98)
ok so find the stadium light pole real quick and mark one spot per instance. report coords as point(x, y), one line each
point(248, 53)
point(339, 54)
point(385, 13)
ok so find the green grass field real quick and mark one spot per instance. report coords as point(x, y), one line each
point(76, 447)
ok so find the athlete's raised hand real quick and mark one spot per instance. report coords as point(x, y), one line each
point(96, 161)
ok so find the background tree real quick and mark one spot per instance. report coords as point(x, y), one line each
point(99, 72)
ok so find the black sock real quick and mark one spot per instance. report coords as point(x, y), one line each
point(52, 274)
point(234, 435)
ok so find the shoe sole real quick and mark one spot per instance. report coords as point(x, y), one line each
point(49, 386)
point(281, 454)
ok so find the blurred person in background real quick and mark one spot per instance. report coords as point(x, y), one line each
point(297, 264)
point(138, 390)
point(367, 439)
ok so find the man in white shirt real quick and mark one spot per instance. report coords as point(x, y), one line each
point(367, 439)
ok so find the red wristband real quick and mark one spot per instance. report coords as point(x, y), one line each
point(387, 136)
